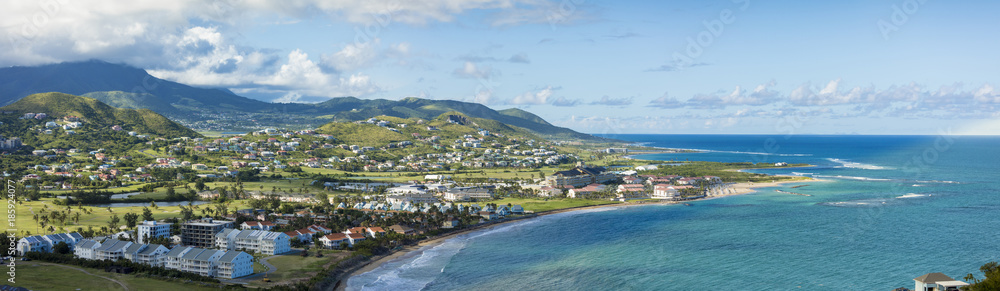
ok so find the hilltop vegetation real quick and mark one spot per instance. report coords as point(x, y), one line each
point(99, 115)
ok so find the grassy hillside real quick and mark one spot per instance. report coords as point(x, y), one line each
point(129, 100)
point(98, 115)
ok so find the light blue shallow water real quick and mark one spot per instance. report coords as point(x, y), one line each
point(893, 208)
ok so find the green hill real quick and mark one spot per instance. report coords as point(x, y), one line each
point(96, 114)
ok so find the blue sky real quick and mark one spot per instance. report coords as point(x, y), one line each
point(785, 67)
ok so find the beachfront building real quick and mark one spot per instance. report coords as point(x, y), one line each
point(264, 242)
point(44, 243)
point(85, 249)
point(579, 176)
point(234, 264)
point(937, 282)
point(334, 240)
point(414, 198)
point(201, 233)
point(151, 229)
point(172, 260)
point(632, 191)
point(111, 250)
point(666, 191)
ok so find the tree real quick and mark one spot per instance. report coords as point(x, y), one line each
point(171, 193)
point(147, 214)
point(323, 198)
point(61, 248)
point(113, 224)
point(991, 282)
point(200, 185)
point(130, 219)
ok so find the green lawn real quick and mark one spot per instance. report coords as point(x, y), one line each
point(295, 266)
point(539, 205)
point(35, 276)
point(97, 218)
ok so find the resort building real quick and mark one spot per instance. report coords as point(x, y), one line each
point(151, 229)
point(425, 198)
point(258, 225)
point(465, 194)
point(234, 264)
point(579, 176)
point(264, 242)
point(937, 282)
point(200, 261)
point(111, 250)
point(333, 240)
point(172, 260)
point(201, 233)
point(85, 249)
point(152, 255)
point(44, 243)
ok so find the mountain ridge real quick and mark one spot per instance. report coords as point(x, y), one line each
point(129, 87)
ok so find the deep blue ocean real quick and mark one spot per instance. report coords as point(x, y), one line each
point(890, 208)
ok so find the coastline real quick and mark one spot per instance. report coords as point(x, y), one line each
point(739, 189)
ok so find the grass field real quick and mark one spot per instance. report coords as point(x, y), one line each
point(291, 268)
point(97, 218)
point(36, 276)
point(539, 205)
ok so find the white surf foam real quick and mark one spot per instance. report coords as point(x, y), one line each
point(856, 165)
point(912, 195)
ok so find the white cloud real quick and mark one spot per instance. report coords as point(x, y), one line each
point(666, 101)
point(472, 70)
point(539, 97)
point(605, 100)
point(352, 57)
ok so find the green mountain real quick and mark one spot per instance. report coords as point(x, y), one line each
point(128, 87)
point(97, 115)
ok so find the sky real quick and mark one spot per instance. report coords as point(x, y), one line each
point(611, 67)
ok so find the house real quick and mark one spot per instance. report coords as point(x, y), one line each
point(451, 222)
point(44, 243)
point(111, 250)
point(463, 194)
point(152, 255)
point(85, 249)
point(201, 261)
point(355, 238)
point(517, 209)
point(937, 282)
point(151, 229)
point(320, 229)
point(234, 264)
point(172, 260)
point(376, 231)
point(260, 241)
point(132, 251)
point(488, 215)
point(356, 230)
point(260, 225)
point(333, 240)
point(402, 229)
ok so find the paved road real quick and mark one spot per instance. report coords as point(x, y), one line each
point(88, 273)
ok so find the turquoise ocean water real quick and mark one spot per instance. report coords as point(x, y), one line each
point(892, 208)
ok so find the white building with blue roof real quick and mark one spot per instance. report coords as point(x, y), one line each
point(111, 249)
point(152, 255)
point(44, 243)
point(234, 264)
point(85, 249)
point(260, 241)
point(200, 261)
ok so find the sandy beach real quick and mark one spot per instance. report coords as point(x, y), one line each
point(738, 189)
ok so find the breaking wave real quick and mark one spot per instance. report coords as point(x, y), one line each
point(856, 165)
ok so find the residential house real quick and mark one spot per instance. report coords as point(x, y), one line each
point(152, 255)
point(234, 264)
point(333, 240)
point(85, 249)
point(111, 249)
point(937, 282)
